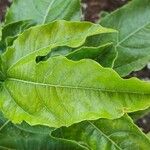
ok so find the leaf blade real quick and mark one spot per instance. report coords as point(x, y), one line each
point(43, 11)
point(56, 82)
point(115, 134)
point(26, 137)
point(74, 35)
point(133, 23)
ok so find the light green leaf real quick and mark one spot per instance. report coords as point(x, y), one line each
point(58, 33)
point(43, 11)
point(133, 45)
point(119, 134)
point(60, 92)
point(25, 137)
point(148, 135)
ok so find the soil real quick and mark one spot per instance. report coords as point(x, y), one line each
point(92, 10)
point(3, 5)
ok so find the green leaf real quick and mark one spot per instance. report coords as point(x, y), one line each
point(133, 23)
point(11, 31)
point(119, 134)
point(139, 114)
point(25, 137)
point(148, 135)
point(58, 33)
point(60, 92)
point(104, 54)
point(43, 11)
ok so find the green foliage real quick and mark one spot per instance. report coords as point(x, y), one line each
point(25, 137)
point(54, 88)
point(106, 134)
point(43, 11)
point(133, 23)
point(53, 83)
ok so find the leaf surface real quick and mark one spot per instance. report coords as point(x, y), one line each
point(133, 45)
point(25, 137)
point(118, 134)
point(60, 92)
point(139, 114)
point(43, 11)
point(11, 31)
point(103, 54)
point(59, 33)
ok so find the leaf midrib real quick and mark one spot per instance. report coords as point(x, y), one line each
point(131, 34)
point(126, 38)
point(103, 134)
point(47, 11)
point(73, 87)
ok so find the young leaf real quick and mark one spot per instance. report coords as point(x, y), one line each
point(60, 92)
point(25, 137)
point(133, 23)
point(104, 134)
point(58, 33)
point(43, 11)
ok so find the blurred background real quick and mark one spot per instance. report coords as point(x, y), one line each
point(92, 11)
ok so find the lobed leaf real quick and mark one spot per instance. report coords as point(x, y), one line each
point(118, 134)
point(133, 45)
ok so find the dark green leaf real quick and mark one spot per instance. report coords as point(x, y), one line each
point(104, 54)
point(11, 31)
point(25, 137)
point(133, 44)
point(103, 134)
point(43, 11)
